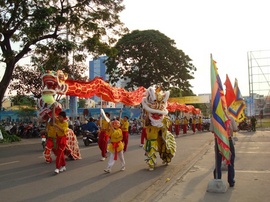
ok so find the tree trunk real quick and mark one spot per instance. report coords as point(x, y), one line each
point(6, 80)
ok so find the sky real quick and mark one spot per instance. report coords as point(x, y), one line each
point(226, 29)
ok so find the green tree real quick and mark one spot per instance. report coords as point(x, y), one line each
point(81, 103)
point(146, 58)
point(178, 92)
point(53, 29)
point(23, 100)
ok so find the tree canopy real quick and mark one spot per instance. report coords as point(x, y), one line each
point(23, 100)
point(146, 58)
point(52, 30)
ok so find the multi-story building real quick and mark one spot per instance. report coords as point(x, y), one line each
point(97, 68)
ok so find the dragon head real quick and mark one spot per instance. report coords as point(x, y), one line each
point(155, 104)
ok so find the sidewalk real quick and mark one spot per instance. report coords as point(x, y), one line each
point(23, 141)
point(252, 174)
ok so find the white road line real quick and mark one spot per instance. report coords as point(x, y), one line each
point(246, 152)
point(2, 164)
point(253, 171)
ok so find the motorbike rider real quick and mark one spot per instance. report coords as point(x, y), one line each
point(91, 126)
point(245, 123)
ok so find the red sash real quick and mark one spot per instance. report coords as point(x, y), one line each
point(115, 146)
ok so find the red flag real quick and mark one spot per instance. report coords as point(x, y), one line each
point(229, 96)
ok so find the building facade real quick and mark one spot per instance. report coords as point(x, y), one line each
point(97, 68)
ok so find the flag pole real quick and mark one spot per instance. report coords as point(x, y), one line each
point(100, 118)
point(216, 145)
point(215, 185)
point(216, 153)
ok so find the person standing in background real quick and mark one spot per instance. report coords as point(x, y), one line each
point(253, 121)
point(170, 125)
point(185, 125)
point(194, 122)
point(177, 123)
point(200, 123)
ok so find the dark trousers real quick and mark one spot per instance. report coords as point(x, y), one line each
point(231, 172)
point(253, 126)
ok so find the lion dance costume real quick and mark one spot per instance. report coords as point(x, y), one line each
point(54, 87)
point(158, 138)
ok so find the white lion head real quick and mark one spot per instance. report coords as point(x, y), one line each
point(155, 103)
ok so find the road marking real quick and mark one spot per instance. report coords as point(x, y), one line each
point(253, 171)
point(2, 164)
point(246, 152)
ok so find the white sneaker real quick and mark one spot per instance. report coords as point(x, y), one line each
point(56, 171)
point(151, 169)
point(123, 168)
point(63, 168)
point(107, 170)
point(141, 145)
point(103, 159)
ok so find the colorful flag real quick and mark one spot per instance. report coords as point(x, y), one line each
point(236, 109)
point(230, 96)
point(219, 117)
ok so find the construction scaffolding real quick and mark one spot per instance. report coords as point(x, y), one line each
point(258, 103)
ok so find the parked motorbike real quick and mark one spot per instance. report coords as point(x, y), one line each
point(89, 137)
point(244, 126)
point(135, 129)
point(205, 126)
point(78, 131)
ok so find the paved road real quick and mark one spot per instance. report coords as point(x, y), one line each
point(252, 167)
point(24, 176)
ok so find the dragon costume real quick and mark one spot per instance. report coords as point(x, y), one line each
point(159, 138)
point(54, 87)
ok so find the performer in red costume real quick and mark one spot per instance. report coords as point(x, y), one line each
point(194, 122)
point(50, 142)
point(103, 136)
point(143, 134)
point(61, 127)
point(185, 125)
point(124, 127)
point(177, 123)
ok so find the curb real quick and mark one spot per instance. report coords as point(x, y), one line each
point(198, 156)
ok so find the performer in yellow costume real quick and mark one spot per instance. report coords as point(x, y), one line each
point(116, 146)
point(124, 127)
point(158, 137)
point(50, 142)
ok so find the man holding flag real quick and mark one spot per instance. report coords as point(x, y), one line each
point(222, 126)
point(217, 171)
